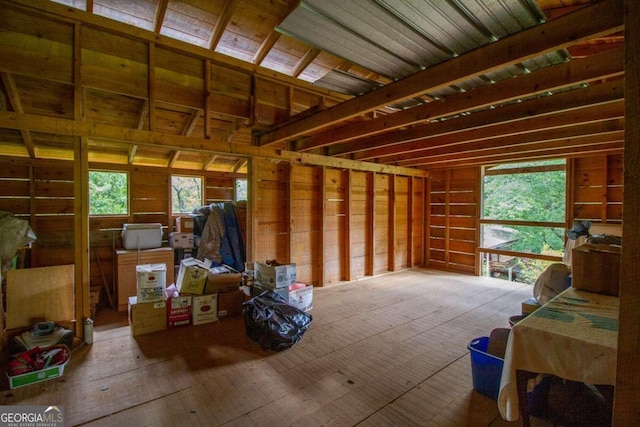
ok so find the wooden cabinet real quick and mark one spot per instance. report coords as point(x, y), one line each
point(126, 262)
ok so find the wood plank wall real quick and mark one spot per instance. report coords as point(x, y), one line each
point(595, 186)
point(453, 220)
point(337, 224)
point(41, 192)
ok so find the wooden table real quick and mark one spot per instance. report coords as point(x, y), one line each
point(574, 336)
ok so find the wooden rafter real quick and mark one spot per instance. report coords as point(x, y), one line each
point(598, 67)
point(191, 123)
point(97, 130)
point(304, 62)
point(223, 21)
point(265, 47)
point(211, 160)
point(514, 116)
point(160, 13)
point(173, 158)
point(602, 18)
point(15, 102)
point(239, 165)
point(132, 153)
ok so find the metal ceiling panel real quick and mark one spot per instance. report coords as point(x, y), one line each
point(342, 82)
point(441, 21)
point(316, 29)
point(376, 24)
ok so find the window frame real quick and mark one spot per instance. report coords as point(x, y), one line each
point(487, 252)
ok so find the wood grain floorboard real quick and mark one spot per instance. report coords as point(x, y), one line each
point(384, 351)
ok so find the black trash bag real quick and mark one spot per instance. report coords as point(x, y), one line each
point(272, 322)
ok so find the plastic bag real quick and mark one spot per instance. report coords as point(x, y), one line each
point(272, 322)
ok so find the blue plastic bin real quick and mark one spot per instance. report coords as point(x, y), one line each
point(486, 369)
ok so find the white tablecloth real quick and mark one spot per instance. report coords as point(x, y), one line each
point(573, 336)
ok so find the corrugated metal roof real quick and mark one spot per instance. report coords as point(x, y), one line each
point(396, 37)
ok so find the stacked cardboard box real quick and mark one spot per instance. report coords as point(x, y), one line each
point(201, 294)
point(282, 279)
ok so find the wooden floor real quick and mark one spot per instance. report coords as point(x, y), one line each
point(386, 351)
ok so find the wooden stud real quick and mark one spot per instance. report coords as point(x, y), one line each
point(81, 232)
point(626, 410)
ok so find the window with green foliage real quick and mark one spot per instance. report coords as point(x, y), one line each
point(108, 193)
point(186, 193)
point(523, 218)
point(241, 189)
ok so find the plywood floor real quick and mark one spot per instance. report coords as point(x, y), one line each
point(386, 351)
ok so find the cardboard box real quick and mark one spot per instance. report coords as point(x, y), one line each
point(184, 224)
point(222, 279)
point(41, 375)
point(151, 282)
point(596, 268)
point(279, 276)
point(147, 317)
point(142, 236)
point(230, 303)
point(529, 306)
point(259, 288)
point(204, 309)
point(181, 240)
point(179, 311)
point(192, 276)
point(301, 297)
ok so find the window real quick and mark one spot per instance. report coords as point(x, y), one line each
point(241, 189)
point(523, 218)
point(186, 193)
point(108, 193)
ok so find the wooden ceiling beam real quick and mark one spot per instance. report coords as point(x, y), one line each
point(242, 162)
point(92, 129)
point(211, 160)
point(173, 158)
point(160, 13)
point(602, 18)
point(191, 123)
point(606, 129)
point(399, 141)
point(304, 62)
point(579, 147)
point(223, 20)
point(602, 66)
point(16, 104)
point(513, 129)
point(265, 47)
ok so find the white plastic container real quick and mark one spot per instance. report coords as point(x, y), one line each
point(142, 236)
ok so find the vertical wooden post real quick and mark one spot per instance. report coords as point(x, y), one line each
point(347, 225)
point(479, 209)
point(207, 98)
point(81, 231)
point(252, 217)
point(323, 224)
point(371, 231)
point(626, 410)
point(410, 234)
point(391, 203)
point(151, 77)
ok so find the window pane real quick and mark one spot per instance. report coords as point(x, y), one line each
point(538, 196)
point(520, 238)
point(186, 193)
point(241, 189)
point(108, 193)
